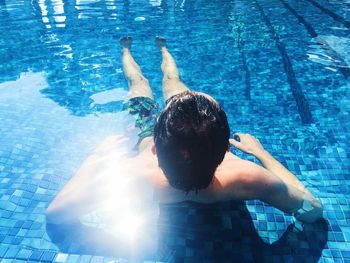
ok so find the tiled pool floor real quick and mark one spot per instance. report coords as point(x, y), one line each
point(280, 72)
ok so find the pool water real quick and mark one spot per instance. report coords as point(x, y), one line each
point(280, 69)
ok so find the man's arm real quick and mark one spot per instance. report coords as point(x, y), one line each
point(276, 185)
point(91, 184)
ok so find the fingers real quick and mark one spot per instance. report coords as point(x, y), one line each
point(236, 144)
point(237, 136)
point(233, 142)
point(240, 139)
point(246, 143)
point(236, 139)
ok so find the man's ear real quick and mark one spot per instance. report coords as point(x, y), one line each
point(153, 149)
point(228, 148)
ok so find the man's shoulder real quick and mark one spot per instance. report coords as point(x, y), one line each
point(234, 166)
point(236, 177)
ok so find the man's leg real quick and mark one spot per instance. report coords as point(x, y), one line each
point(138, 84)
point(172, 84)
point(138, 88)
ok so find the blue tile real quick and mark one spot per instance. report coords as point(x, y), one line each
point(19, 224)
point(345, 254)
point(34, 126)
point(335, 253)
point(27, 224)
point(96, 259)
point(24, 254)
point(3, 250)
point(73, 259)
point(339, 237)
point(61, 257)
point(48, 256)
point(347, 236)
point(13, 231)
point(36, 255)
point(85, 259)
point(11, 253)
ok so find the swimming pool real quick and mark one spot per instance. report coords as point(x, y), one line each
point(280, 69)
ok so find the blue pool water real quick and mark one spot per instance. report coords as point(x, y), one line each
point(280, 68)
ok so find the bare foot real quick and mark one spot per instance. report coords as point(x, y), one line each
point(126, 42)
point(161, 41)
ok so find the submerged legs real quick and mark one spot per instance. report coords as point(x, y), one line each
point(138, 84)
point(172, 84)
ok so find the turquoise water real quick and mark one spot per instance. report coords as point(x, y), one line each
point(279, 68)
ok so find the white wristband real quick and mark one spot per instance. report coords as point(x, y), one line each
point(305, 208)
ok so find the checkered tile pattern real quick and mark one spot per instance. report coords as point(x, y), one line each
point(258, 58)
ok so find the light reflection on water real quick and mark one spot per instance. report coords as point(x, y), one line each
point(129, 214)
point(323, 51)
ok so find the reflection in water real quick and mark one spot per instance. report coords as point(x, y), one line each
point(57, 13)
point(76, 45)
point(54, 141)
point(109, 96)
point(331, 51)
point(43, 9)
point(112, 8)
point(75, 70)
point(126, 210)
point(83, 58)
point(155, 3)
point(59, 16)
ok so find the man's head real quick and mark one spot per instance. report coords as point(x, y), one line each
point(191, 138)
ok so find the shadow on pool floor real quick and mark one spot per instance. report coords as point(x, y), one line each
point(221, 232)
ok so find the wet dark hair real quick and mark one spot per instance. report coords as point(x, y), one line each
point(191, 138)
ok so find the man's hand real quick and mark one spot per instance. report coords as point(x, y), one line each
point(246, 143)
point(291, 196)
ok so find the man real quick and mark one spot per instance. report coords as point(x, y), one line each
point(187, 158)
